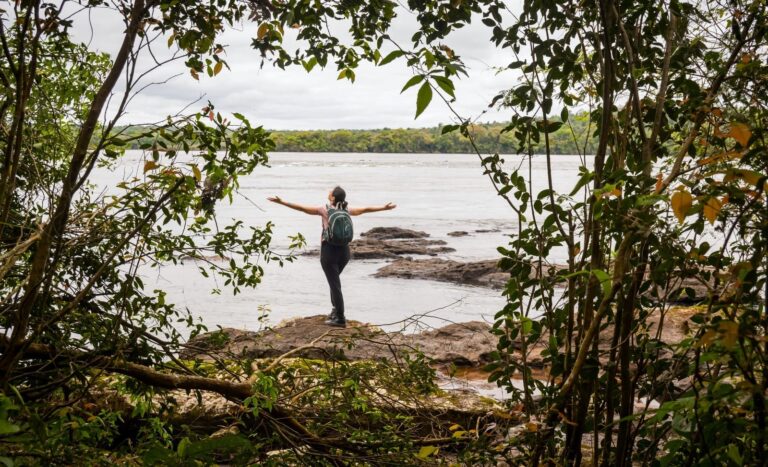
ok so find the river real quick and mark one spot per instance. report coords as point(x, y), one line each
point(436, 193)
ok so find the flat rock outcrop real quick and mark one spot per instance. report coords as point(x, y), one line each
point(393, 249)
point(391, 233)
point(687, 291)
point(371, 249)
point(463, 344)
point(482, 273)
point(392, 243)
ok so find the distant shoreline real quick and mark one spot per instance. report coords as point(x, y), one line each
point(473, 154)
point(489, 138)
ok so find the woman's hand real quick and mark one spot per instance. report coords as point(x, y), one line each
point(389, 206)
point(275, 199)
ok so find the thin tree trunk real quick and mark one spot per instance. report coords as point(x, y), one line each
point(56, 225)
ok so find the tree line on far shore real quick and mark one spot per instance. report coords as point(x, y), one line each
point(489, 138)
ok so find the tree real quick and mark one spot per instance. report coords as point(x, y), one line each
point(74, 311)
point(671, 89)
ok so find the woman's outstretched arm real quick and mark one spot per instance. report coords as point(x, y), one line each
point(298, 207)
point(358, 211)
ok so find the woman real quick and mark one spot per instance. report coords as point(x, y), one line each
point(333, 258)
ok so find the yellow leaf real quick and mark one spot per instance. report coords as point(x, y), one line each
point(741, 133)
point(723, 156)
point(262, 31)
point(616, 191)
point(217, 68)
point(427, 451)
point(194, 74)
point(681, 203)
point(719, 133)
point(532, 427)
point(170, 40)
point(746, 58)
point(659, 182)
point(502, 414)
point(459, 434)
point(707, 338)
point(343, 74)
point(149, 165)
point(730, 333)
point(712, 209)
point(454, 427)
point(749, 176)
point(196, 172)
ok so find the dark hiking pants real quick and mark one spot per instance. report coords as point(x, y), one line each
point(333, 258)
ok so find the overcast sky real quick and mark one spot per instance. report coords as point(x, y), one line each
point(294, 99)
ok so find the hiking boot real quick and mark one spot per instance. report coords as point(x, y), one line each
point(336, 322)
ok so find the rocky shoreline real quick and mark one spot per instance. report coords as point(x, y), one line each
point(398, 244)
point(459, 344)
point(393, 243)
point(480, 273)
point(459, 350)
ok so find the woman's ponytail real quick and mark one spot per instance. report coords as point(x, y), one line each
point(340, 197)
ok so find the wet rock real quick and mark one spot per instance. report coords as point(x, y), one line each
point(687, 291)
point(487, 230)
point(385, 249)
point(458, 233)
point(390, 233)
point(482, 273)
point(462, 344)
point(296, 336)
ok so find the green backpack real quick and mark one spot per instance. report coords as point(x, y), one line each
point(339, 231)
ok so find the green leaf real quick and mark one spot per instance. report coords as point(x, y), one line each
point(183, 445)
point(7, 428)
point(605, 281)
point(391, 56)
point(445, 84)
point(734, 454)
point(586, 177)
point(448, 129)
point(309, 64)
point(527, 325)
point(423, 99)
point(412, 82)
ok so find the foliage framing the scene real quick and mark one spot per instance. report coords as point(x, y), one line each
point(675, 193)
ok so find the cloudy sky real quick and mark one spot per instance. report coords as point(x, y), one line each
point(294, 99)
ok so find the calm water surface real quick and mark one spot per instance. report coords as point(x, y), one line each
point(435, 193)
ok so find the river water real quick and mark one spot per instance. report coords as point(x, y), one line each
point(436, 193)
